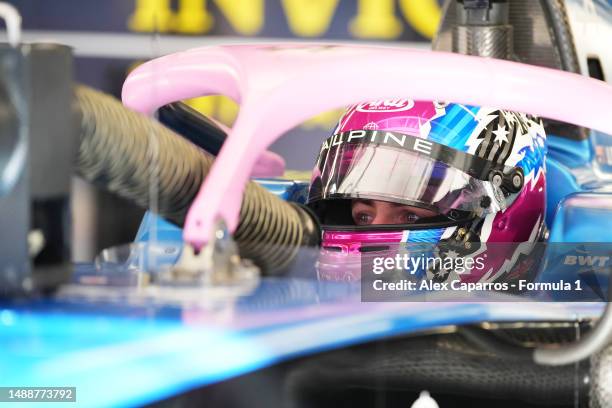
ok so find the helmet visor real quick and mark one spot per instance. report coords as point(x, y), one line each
point(413, 177)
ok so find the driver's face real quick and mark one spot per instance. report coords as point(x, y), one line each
point(375, 212)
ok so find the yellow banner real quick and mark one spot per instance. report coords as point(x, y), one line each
point(309, 18)
point(375, 19)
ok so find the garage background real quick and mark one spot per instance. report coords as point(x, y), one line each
point(111, 37)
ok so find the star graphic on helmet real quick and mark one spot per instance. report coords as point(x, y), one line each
point(510, 117)
point(501, 134)
point(537, 126)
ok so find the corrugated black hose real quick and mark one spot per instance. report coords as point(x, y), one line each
point(116, 152)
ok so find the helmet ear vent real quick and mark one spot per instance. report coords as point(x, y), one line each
point(511, 182)
point(496, 177)
point(517, 179)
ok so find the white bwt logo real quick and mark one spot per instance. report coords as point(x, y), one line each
point(586, 260)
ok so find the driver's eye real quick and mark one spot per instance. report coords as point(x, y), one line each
point(363, 219)
point(409, 218)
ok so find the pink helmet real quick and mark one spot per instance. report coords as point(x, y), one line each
point(445, 172)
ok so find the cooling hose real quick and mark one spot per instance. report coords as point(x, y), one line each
point(137, 158)
point(601, 379)
point(558, 21)
point(592, 342)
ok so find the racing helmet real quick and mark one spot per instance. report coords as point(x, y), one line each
point(448, 172)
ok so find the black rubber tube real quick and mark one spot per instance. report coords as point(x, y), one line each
point(138, 158)
point(558, 21)
point(592, 342)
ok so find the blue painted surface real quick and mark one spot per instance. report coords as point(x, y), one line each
point(113, 360)
point(288, 190)
point(560, 182)
point(140, 354)
point(583, 217)
point(563, 156)
point(572, 153)
point(585, 267)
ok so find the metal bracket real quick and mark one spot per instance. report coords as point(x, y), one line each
point(217, 263)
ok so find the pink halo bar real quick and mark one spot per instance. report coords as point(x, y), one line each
point(269, 164)
point(279, 86)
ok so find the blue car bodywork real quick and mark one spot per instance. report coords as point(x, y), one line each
point(120, 352)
